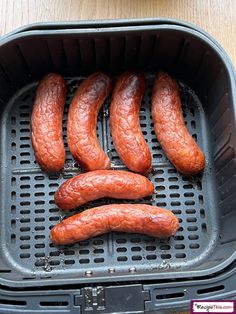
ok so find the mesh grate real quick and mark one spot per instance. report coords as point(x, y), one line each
point(31, 211)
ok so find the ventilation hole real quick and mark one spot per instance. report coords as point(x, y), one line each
point(179, 246)
point(54, 218)
point(84, 252)
point(175, 295)
point(135, 240)
point(25, 238)
point(211, 289)
point(150, 248)
point(174, 195)
point(188, 203)
point(39, 211)
point(25, 246)
point(194, 136)
point(13, 160)
point(39, 219)
point(176, 211)
point(194, 246)
point(24, 178)
point(25, 255)
point(39, 245)
point(69, 262)
point(188, 194)
point(98, 242)
point(83, 243)
point(39, 236)
point(39, 194)
point(41, 254)
point(188, 186)
point(174, 187)
point(24, 122)
point(25, 186)
point(160, 188)
point(69, 252)
point(204, 228)
point(13, 146)
point(173, 179)
point(84, 261)
point(24, 138)
point(122, 258)
point(192, 228)
point(172, 171)
point(175, 203)
point(165, 247)
point(99, 260)
point(121, 240)
point(160, 196)
point(39, 178)
point(161, 204)
point(39, 228)
point(53, 185)
point(199, 185)
point(191, 219)
point(25, 211)
point(157, 155)
point(40, 202)
point(165, 256)
point(39, 263)
point(180, 255)
point(190, 211)
point(121, 249)
point(158, 179)
point(136, 249)
point(136, 258)
point(25, 195)
point(54, 253)
point(13, 238)
point(24, 220)
point(179, 238)
point(202, 213)
point(53, 210)
point(151, 257)
point(13, 209)
point(13, 133)
point(13, 224)
point(200, 197)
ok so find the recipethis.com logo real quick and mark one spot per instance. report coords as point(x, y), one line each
point(213, 306)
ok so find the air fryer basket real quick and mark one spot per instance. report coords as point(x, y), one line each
point(204, 204)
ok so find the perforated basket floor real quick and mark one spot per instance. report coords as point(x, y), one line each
point(29, 210)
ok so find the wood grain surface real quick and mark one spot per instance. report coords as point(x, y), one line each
point(217, 17)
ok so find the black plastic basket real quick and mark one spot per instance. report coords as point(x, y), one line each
point(206, 205)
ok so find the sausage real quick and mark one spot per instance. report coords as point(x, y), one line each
point(170, 129)
point(102, 183)
point(132, 218)
point(46, 123)
point(124, 121)
point(82, 120)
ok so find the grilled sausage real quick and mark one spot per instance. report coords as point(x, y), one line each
point(102, 183)
point(124, 120)
point(170, 129)
point(82, 120)
point(132, 218)
point(46, 123)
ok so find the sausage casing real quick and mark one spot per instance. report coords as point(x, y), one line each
point(46, 123)
point(82, 120)
point(124, 120)
point(170, 129)
point(132, 218)
point(102, 183)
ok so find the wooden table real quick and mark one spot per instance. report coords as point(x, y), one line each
point(217, 17)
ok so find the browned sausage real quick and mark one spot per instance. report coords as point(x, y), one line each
point(102, 183)
point(124, 120)
point(46, 123)
point(170, 129)
point(82, 121)
point(138, 218)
